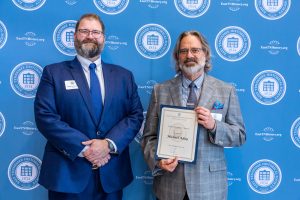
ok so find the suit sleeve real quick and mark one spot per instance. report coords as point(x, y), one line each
point(149, 140)
point(123, 132)
point(231, 131)
point(48, 120)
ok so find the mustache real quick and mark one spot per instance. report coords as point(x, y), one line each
point(87, 40)
point(190, 60)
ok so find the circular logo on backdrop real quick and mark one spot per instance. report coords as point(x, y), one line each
point(264, 176)
point(2, 124)
point(29, 5)
point(272, 9)
point(23, 172)
point(111, 7)
point(268, 87)
point(232, 43)
point(25, 78)
point(298, 46)
point(192, 8)
point(63, 37)
point(3, 34)
point(152, 41)
point(295, 132)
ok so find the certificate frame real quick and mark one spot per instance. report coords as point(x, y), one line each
point(178, 133)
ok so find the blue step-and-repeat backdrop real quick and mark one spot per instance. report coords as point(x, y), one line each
point(255, 46)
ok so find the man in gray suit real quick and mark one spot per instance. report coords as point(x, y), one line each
point(220, 124)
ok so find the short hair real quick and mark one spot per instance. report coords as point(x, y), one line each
point(90, 16)
point(205, 47)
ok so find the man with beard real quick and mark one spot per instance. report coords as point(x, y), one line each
point(89, 111)
point(220, 125)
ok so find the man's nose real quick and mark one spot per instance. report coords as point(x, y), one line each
point(189, 54)
point(90, 35)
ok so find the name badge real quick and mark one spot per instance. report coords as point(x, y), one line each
point(71, 85)
point(217, 116)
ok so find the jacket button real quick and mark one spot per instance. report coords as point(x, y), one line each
point(98, 132)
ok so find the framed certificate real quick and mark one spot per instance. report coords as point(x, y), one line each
point(177, 133)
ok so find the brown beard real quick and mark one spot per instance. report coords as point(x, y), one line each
point(90, 52)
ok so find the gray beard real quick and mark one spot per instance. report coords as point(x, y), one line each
point(191, 70)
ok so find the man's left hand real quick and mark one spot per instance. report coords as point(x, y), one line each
point(98, 152)
point(205, 118)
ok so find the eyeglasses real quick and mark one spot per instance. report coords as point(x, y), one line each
point(194, 51)
point(86, 32)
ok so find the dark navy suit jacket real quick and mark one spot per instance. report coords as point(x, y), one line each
point(64, 115)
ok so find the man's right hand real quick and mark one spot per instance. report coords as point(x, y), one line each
point(102, 161)
point(98, 152)
point(169, 164)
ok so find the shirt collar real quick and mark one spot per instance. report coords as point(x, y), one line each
point(198, 82)
point(85, 63)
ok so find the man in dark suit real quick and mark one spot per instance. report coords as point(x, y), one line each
point(89, 111)
point(220, 124)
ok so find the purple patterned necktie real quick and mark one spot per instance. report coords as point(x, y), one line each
point(192, 99)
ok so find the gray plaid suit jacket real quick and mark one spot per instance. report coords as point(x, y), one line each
point(206, 179)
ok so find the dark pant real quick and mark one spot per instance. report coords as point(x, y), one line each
point(93, 191)
point(186, 197)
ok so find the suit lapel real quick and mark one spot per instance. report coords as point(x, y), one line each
point(80, 79)
point(206, 92)
point(175, 90)
point(109, 85)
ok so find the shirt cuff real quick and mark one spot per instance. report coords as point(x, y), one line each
point(115, 146)
point(157, 171)
point(213, 130)
point(82, 151)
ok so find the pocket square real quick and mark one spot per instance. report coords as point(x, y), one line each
point(217, 105)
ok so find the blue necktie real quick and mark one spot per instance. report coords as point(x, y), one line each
point(95, 91)
point(192, 99)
